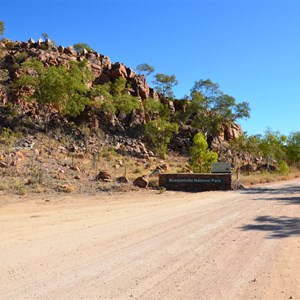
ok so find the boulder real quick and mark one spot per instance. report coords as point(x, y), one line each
point(118, 70)
point(103, 176)
point(40, 41)
point(66, 188)
point(61, 49)
point(187, 170)
point(3, 164)
point(247, 168)
point(141, 86)
point(141, 182)
point(122, 179)
point(266, 167)
point(70, 51)
point(232, 131)
point(130, 73)
point(159, 169)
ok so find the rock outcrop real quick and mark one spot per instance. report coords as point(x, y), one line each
point(125, 131)
point(51, 55)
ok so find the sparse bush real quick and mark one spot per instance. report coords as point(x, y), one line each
point(20, 57)
point(283, 168)
point(79, 47)
point(201, 156)
point(7, 138)
point(9, 44)
point(113, 98)
point(159, 133)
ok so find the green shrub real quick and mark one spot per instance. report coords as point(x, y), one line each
point(159, 133)
point(201, 156)
point(283, 168)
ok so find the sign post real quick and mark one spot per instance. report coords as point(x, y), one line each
point(195, 182)
point(221, 167)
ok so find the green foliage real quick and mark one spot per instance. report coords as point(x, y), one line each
point(155, 108)
point(159, 133)
point(201, 156)
point(3, 75)
point(164, 84)
point(152, 106)
point(79, 47)
point(46, 46)
point(8, 137)
point(45, 36)
point(272, 145)
point(2, 28)
point(31, 71)
point(118, 87)
point(293, 148)
point(65, 88)
point(145, 69)
point(113, 98)
point(210, 108)
point(246, 144)
point(20, 57)
point(126, 103)
point(9, 44)
point(283, 168)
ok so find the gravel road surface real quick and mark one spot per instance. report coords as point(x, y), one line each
point(150, 245)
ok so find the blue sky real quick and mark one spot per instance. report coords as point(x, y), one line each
point(251, 48)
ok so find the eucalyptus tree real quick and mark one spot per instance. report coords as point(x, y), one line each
point(164, 85)
point(273, 146)
point(2, 28)
point(293, 148)
point(145, 69)
point(210, 108)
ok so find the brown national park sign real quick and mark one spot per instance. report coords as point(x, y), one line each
point(195, 182)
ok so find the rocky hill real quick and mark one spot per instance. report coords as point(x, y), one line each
point(42, 149)
point(123, 132)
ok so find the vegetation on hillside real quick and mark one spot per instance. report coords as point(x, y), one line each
point(71, 91)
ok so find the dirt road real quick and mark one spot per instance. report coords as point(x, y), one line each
point(146, 245)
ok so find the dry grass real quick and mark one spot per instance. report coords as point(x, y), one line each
point(51, 167)
point(260, 178)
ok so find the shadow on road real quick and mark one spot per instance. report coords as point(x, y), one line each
point(291, 194)
point(283, 190)
point(278, 227)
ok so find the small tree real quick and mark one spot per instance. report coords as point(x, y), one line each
point(31, 72)
point(164, 84)
point(2, 28)
point(293, 148)
point(45, 36)
point(145, 69)
point(65, 88)
point(159, 133)
point(112, 98)
point(79, 47)
point(210, 108)
point(201, 156)
point(272, 146)
point(248, 145)
point(7, 138)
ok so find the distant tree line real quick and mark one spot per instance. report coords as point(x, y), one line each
point(274, 147)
